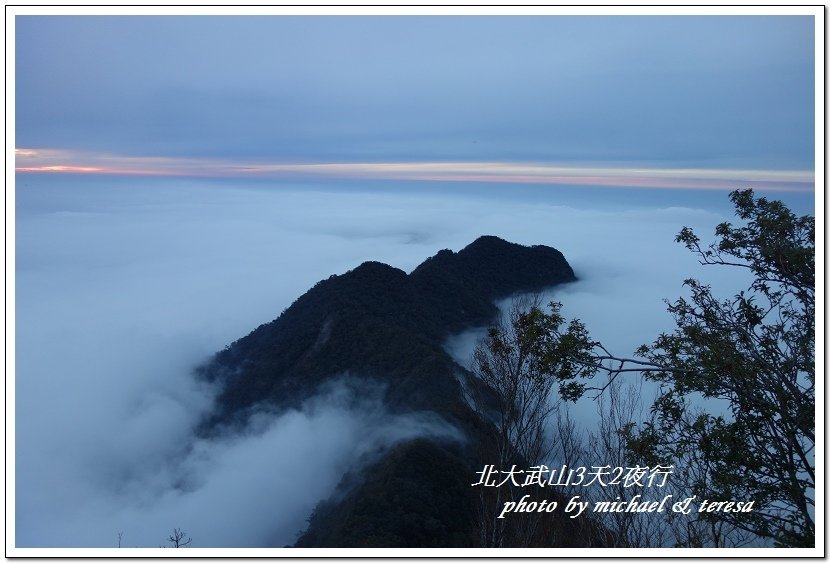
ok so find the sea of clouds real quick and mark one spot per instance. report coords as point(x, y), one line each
point(122, 287)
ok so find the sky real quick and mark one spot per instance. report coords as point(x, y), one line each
point(181, 180)
point(263, 96)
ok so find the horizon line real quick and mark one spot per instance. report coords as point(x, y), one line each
point(61, 161)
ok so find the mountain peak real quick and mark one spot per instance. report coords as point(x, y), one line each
point(335, 326)
point(490, 240)
point(377, 323)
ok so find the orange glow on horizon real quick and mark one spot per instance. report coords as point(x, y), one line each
point(58, 161)
point(59, 168)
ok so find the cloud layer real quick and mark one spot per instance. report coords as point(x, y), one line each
point(74, 162)
point(124, 285)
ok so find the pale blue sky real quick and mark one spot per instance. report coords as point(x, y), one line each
point(679, 91)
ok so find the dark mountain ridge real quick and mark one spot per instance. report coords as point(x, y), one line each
point(379, 323)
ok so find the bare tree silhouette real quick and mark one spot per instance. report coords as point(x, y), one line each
point(179, 538)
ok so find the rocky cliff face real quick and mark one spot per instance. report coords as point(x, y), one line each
point(381, 324)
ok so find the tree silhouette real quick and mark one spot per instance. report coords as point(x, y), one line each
point(179, 538)
point(736, 408)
